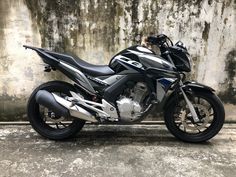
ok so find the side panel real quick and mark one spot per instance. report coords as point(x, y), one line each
point(162, 86)
point(76, 75)
point(109, 80)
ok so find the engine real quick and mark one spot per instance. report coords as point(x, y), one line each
point(130, 103)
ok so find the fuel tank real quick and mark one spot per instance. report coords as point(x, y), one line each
point(139, 58)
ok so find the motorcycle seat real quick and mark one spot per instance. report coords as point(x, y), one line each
point(90, 69)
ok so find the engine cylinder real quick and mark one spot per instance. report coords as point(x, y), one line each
point(130, 105)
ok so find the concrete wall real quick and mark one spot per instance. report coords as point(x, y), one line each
point(95, 30)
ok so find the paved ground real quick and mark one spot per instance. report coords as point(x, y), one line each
point(115, 151)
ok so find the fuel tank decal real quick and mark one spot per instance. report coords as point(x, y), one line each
point(153, 58)
point(129, 62)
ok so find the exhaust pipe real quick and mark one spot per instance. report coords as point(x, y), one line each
point(46, 99)
point(62, 107)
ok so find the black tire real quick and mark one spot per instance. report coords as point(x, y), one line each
point(36, 119)
point(215, 126)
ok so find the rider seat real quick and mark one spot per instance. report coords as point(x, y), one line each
point(90, 69)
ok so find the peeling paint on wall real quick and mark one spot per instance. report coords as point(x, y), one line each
point(96, 30)
point(228, 95)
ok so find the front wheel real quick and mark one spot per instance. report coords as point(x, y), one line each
point(210, 112)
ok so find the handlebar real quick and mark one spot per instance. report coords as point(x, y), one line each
point(162, 42)
point(159, 40)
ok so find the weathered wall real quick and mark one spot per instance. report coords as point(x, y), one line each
point(95, 30)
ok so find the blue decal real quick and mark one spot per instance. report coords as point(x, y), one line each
point(166, 82)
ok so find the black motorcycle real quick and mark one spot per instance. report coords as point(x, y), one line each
point(124, 92)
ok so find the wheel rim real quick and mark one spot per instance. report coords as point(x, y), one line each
point(184, 121)
point(51, 120)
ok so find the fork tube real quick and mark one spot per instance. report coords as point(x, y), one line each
point(190, 105)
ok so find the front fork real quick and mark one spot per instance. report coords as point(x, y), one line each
point(190, 105)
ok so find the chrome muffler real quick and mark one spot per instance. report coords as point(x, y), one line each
point(62, 106)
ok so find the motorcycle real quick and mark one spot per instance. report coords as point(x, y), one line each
point(136, 81)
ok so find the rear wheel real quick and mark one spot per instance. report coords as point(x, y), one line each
point(180, 123)
point(45, 121)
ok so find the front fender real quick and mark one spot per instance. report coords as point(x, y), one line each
point(188, 87)
point(196, 87)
